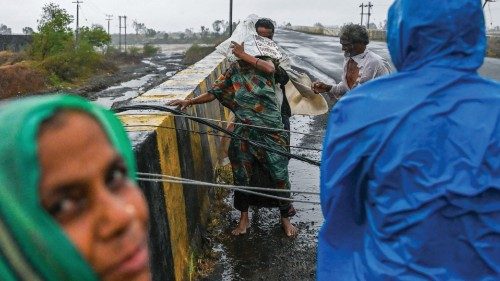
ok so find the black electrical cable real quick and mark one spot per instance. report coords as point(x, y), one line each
point(214, 126)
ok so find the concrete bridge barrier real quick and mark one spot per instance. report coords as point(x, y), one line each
point(493, 46)
point(164, 145)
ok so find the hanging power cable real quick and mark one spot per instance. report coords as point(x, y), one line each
point(236, 123)
point(226, 185)
point(211, 133)
point(218, 128)
point(237, 188)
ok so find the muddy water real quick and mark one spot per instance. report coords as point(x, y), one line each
point(152, 71)
point(265, 253)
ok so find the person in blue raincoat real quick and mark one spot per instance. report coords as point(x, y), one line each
point(410, 175)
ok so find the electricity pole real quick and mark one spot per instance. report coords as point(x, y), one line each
point(109, 18)
point(120, 33)
point(362, 6)
point(230, 17)
point(125, 17)
point(77, 2)
point(369, 13)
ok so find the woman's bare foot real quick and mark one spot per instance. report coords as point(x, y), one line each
point(243, 224)
point(288, 227)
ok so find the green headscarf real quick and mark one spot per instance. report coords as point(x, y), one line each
point(32, 245)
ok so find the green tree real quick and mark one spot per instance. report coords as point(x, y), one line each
point(138, 26)
point(96, 35)
point(54, 33)
point(217, 25)
point(5, 30)
point(28, 30)
point(150, 32)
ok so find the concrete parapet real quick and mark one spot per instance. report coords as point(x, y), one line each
point(164, 145)
point(493, 46)
point(377, 35)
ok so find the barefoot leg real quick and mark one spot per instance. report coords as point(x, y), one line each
point(288, 227)
point(243, 224)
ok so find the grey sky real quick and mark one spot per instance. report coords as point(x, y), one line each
point(177, 15)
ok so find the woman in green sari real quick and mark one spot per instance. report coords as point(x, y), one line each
point(69, 205)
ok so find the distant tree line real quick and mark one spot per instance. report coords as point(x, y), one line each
point(142, 34)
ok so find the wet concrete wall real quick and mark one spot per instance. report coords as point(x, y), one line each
point(164, 145)
point(14, 42)
point(493, 49)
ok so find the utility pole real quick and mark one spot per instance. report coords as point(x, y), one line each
point(77, 2)
point(369, 14)
point(109, 18)
point(362, 6)
point(230, 17)
point(125, 17)
point(120, 33)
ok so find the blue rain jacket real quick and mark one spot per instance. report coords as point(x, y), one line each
point(410, 174)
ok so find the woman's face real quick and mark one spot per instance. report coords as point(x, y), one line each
point(85, 187)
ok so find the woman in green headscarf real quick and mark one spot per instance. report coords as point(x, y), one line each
point(69, 205)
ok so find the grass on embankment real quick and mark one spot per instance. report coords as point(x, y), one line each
point(22, 74)
point(196, 52)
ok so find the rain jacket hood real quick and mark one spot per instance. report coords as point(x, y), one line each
point(32, 245)
point(446, 33)
point(410, 172)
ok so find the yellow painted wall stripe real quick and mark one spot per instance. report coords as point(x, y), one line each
point(174, 198)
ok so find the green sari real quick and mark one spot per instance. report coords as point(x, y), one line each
point(32, 244)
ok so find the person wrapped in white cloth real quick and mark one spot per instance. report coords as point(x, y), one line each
point(256, 37)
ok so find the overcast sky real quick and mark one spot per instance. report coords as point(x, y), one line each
point(177, 15)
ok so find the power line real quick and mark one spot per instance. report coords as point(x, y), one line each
point(228, 122)
point(212, 133)
point(246, 189)
point(278, 190)
point(487, 1)
point(218, 128)
point(96, 8)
